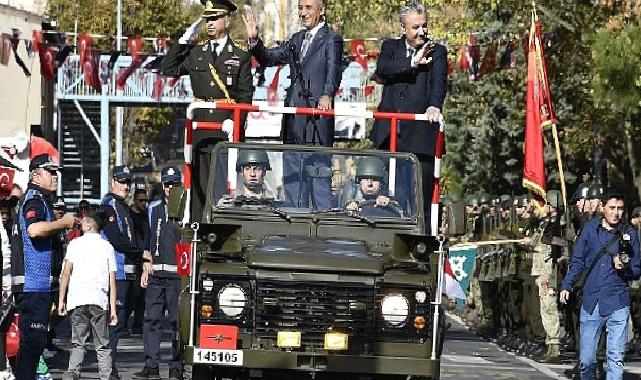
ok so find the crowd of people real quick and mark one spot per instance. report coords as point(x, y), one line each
point(48, 274)
point(569, 286)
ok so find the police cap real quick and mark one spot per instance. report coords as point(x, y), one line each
point(170, 174)
point(122, 173)
point(43, 161)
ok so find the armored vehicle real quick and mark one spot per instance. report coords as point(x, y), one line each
point(282, 288)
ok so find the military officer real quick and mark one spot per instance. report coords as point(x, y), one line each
point(220, 71)
point(162, 282)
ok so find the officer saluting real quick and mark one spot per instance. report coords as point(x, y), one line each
point(163, 283)
point(220, 71)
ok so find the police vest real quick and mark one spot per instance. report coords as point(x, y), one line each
point(125, 268)
point(163, 239)
point(31, 260)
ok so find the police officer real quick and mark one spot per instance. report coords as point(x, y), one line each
point(120, 232)
point(162, 282)
point(370, 200)
point(32, 262)
point(219, 71)
point(252, 166)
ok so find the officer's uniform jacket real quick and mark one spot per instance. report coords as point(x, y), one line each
point(120, 232)
point(232, 67)
point(163, 237)
point(32, 259)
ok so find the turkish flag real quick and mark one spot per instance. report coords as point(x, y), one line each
point(6, 180)
point(47, 62)
point(134, 46)
point(539, 114)
point(136, 61)
point(183, 259)
point(272, 89)
point(90, 68)
point(36, 35)
point(84, 45)
point(159, 85)
point(359, 52)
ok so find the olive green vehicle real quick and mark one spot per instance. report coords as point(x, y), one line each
point(282, 289)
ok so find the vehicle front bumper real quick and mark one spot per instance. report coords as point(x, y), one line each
point(330, 362)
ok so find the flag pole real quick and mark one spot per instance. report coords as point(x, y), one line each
point(557, 148)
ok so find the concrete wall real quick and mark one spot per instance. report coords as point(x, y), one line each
point(20, 96)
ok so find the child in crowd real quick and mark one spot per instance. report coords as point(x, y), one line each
point(89, 274)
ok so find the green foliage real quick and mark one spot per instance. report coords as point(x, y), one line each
point(617, 68)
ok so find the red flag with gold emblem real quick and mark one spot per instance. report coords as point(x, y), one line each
point(539, 114)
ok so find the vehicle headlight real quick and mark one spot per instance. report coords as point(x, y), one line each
point(395, 309)
point(232, 300)
point(208, 285)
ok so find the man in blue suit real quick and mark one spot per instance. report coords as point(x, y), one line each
point(314, 58)
point(607, 251)
point(414, 72)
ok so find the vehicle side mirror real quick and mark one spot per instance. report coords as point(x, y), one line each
point(176, 203)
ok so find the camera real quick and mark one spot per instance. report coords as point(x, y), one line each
point(625, 249)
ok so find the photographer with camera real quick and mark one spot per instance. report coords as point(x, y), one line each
point(607, 252)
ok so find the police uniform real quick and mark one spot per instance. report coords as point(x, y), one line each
point(163, 288)
point(220, 73)
point(120, 232)
point(32, 273)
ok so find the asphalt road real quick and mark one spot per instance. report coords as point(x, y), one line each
point(465, 356)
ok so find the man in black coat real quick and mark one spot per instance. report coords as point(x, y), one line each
point(414, 71)
point(314, 58)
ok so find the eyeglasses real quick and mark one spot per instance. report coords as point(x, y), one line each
point(124, 182)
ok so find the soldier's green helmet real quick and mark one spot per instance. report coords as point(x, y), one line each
point(471, 200)
point(251, 156)
point(521, 201)
point(554, 198)
point(505, 201)
point(484, 198)
point(595, 191)
point(370, 167)
point(581, 192)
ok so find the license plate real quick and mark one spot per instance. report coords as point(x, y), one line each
point(218, 357)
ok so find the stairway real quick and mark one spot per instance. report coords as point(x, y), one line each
point(79, 152)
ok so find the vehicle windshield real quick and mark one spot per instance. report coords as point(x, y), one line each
point(368, 184)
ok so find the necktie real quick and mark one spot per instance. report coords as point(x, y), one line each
point(410, 51)
point(214, 52)
point(306, 42)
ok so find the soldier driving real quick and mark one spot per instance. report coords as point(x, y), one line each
point(220, 72)
point(370, 174)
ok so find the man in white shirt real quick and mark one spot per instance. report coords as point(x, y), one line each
point(89, 275)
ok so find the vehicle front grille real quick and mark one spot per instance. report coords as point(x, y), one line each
point(315, 309)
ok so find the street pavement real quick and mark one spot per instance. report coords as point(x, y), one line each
point(465, 356)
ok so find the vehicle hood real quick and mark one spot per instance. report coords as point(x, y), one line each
point(313, 255)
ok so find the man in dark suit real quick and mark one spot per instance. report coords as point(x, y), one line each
point(314, 58)
point(414, 72)
point(220, 71)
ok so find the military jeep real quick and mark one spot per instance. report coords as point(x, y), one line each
point(284, 288)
